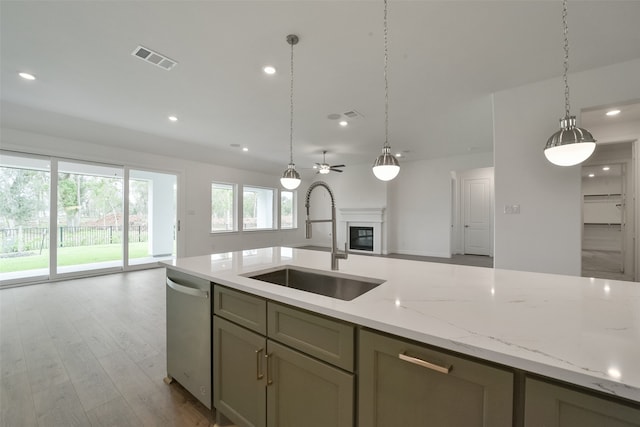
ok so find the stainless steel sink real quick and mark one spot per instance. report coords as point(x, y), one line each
point(318, 282)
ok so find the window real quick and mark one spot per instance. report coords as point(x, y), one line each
point(287, 209)
point(223, 211)
point(257, 208)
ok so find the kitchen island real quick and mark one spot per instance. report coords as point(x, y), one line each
point(580, 331)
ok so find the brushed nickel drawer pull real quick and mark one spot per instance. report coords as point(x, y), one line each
point(260, 375)
point(269, 379)
point(416, 361)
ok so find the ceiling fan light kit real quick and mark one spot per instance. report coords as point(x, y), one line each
point(386, 166)
point(570, 145)
point(324, 168)
point(291, 178)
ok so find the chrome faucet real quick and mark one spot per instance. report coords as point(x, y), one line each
point(335, 254)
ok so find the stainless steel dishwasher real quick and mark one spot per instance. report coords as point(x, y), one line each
point(189, 334)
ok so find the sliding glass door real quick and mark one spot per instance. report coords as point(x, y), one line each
point(24, 217)
point(89, 217)
point(152, 216)
point(61, 218)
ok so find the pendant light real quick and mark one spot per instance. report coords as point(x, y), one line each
point(386, 166)
point(570, 145)
point(291, 178)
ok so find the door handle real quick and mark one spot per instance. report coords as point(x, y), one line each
point(417, 361)
point(259, 374)
point(269, 379)
point(187, 290)
point(466, 226)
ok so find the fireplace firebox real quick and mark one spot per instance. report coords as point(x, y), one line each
point(361, 238)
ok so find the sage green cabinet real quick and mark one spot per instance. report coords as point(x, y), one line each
point(239, 378)
point(551, 405)
point(306, 392)
point(260, 382)
point(327, 339)
point(404, 384)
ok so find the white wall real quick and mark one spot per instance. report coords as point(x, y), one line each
point(420, 208)
point(417, 203)
point(194, 189)
point(546, 235)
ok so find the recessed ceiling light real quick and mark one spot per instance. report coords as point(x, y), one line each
point(398, 154)
point(269, 69)
point(606, 168)
point(613, 112)
point(344, 123)
point(173, 118)
point(245, 149)
point(27, 76)
point(591, 175)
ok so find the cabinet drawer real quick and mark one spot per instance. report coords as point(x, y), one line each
point(326, 339)
point(402, 383)
point(244, 309)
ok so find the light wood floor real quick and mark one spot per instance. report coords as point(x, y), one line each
point(90, 352)
point(603, 265)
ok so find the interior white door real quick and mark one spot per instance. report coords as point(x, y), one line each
point(477, 215)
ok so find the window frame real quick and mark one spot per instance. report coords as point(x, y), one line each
point(234, 207)
point(275, 217)
point(294, 210)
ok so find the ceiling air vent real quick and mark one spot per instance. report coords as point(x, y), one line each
point(154, 58)
point(352, 114)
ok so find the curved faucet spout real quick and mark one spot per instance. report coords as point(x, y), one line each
point(335, 255)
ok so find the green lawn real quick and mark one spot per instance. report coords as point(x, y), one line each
point(73, 256)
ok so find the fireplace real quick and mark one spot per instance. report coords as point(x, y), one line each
point(363, 230)
point(361, 238)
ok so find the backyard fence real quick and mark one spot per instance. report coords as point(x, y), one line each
point(23, 239)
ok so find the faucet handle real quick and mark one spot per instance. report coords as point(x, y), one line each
point(345, 254)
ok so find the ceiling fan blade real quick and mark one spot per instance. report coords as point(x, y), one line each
point(338, 166)
point(335, 170)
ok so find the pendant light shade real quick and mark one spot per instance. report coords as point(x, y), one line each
point(291, 178)
point(386, 166)
point(570, 145)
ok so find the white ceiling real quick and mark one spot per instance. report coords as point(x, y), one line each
point(446, 58)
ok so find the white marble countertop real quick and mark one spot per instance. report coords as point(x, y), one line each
point(579, 330)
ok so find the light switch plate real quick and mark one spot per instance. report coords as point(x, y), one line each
point(511, 209)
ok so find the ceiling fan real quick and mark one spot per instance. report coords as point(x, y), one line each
point(324, 167)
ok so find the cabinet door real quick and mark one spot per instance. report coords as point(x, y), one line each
point(551, 405)
point(306, 392)
point(395, 391)
point(239, 373)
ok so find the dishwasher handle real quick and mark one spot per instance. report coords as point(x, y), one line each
point(187, 290)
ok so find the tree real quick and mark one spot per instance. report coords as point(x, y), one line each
point(25, 196)
point(69, 193)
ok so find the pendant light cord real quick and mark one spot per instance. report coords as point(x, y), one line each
point(386, 82)
point(566, 57)
point(291, 110)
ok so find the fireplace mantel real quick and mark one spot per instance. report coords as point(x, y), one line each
point(362, 214)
